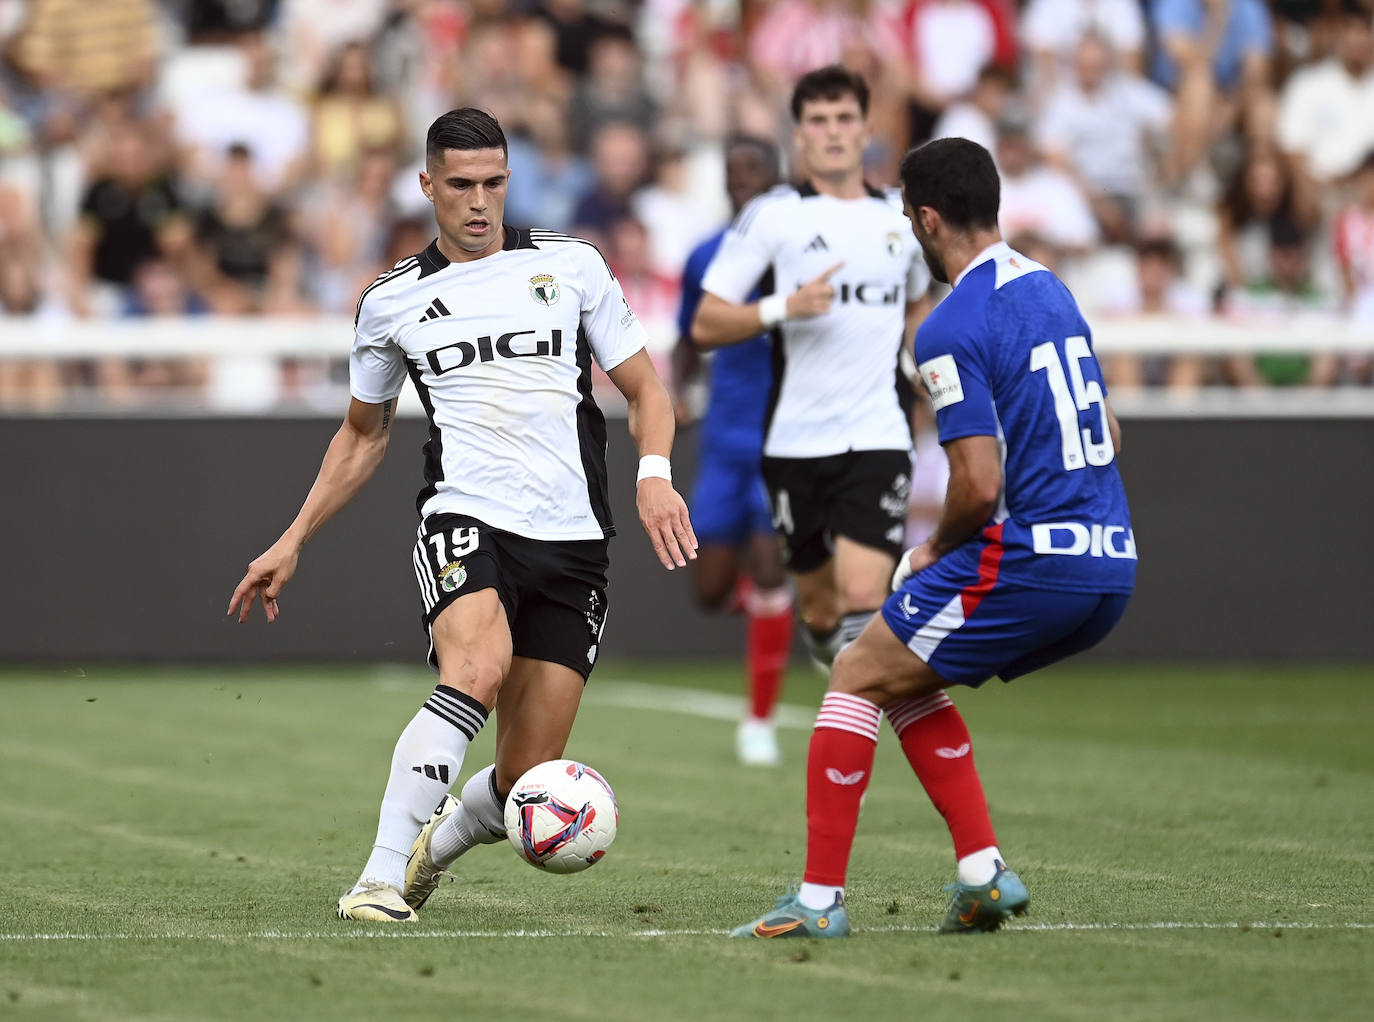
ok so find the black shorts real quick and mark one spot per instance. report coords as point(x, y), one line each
point(554, 592)
point(861, 495)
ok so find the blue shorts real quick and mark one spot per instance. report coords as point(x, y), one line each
point(969, 626)
point(729, 500)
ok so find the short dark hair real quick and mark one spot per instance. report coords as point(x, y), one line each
point(766, 149)
point(465, 129)
point(957, 179)
point(829, 82)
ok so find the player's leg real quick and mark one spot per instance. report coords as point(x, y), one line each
point(796, 488)
point(555, 639)
point(534, 716)
point(868, 503)
point(470, 643)
point(768, 604)
point(718, 521)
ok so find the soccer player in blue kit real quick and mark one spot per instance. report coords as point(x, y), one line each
point(1033, 560)
point(730, 500)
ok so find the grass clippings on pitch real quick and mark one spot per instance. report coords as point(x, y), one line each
point(1198, 844)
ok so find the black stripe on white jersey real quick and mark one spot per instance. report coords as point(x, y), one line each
point(591, 439)
point(539, 235)
point(434, 446)
point(404, 266)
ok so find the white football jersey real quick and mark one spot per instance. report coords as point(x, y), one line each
point(500, 351)
point(835, 376)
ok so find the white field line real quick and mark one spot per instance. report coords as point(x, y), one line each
point(694, 702)
point(405, 933)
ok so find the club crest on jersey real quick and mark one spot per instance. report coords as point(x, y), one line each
point(452, 577)
point(894, 244)
point(544, 289)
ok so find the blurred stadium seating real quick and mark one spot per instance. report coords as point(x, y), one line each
point(170, 169)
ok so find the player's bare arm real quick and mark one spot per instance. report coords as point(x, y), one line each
point(352, 458)
point(662, 511)
point(719, 323)
point(975, 486)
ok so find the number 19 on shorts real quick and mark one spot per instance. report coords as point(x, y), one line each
point(1073, 394)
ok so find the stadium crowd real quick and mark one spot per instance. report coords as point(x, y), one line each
point(1192, 158)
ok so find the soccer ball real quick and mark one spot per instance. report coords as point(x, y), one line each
point(561, 816)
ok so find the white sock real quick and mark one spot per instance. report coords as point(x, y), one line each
point(818, 896)
point(424, 766)
point(479, 820)
point(977, 868)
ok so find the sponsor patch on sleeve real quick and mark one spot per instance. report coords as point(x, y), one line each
point(941, 377)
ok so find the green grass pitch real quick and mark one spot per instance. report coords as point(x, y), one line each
point(1199, 844)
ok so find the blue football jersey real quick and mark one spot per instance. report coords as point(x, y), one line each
point(741, 375)
point(1008, 354)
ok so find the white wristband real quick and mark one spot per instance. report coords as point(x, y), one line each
point(773, 310)
point(654, 466)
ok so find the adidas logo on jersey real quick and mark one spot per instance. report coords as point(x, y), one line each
point(434, 773)
point(817, 244)
point(435, 310)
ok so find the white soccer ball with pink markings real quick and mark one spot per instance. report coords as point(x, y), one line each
point(561, 816)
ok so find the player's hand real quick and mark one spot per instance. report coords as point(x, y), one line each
point(813, 298)
point(265, 579)
point(917, 559)
point(663, 513)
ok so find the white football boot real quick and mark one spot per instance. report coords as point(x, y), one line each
point(376, 902)
point(756, 743)
point(422, 872)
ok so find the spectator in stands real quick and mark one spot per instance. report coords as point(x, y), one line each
point(31, 384)
point(620, 161)
point(1053, 29)
point(1326, 110)
point(1287, 291)
point(948, 43)
point(977, 116)
point(260, 116)
point(549, 177)
point(347, 224)
point(796, 36)
point(1261, 192)
point(349, 117)
point(1107, 128)
point(575, 28)
point(612, 90)
point(1354, 237)
point(79, 49)
point(674, 204)
point(159, 289)
point(129, 214)
point(1041, 198)
point(1157, 290)
point(314, 30)
point(248, 260)
point(653, 295)
point(1214, 56)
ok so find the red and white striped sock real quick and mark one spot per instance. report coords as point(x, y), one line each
point(838, 769)
point(936, 742)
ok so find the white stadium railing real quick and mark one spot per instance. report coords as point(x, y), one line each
point(243, 352)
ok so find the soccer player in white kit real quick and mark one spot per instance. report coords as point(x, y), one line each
point(843, 284)
point(497, 328)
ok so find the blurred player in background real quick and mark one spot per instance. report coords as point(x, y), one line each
point(730, 502)
point(496, 327)
point(1033, 560)
point(844, 281)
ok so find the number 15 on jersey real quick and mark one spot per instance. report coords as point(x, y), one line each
point(1073, 394)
